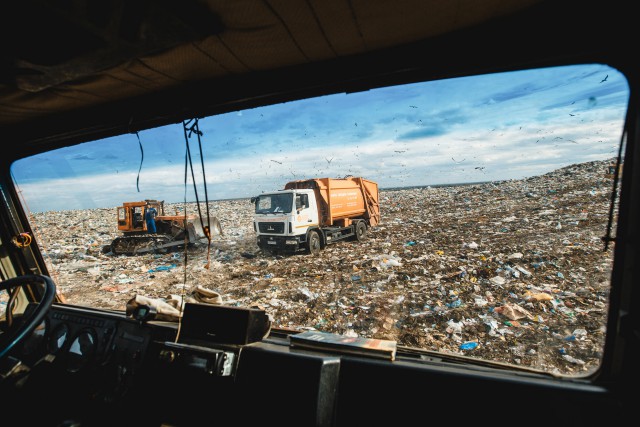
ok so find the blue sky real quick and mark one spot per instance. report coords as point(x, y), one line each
point(471, 129)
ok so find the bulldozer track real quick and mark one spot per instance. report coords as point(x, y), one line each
point(131, 245)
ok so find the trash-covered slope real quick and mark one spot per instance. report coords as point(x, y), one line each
point(510, 271)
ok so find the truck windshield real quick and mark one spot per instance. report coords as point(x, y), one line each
point(494, 194)
point(274, 203)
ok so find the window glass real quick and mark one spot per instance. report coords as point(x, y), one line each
point(494, 197)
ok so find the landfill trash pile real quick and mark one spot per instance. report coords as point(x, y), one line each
point(512, 271)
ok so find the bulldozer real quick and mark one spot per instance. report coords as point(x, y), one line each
point(172, 231)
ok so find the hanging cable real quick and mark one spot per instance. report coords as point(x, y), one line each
point(141, 159)
point(189, 130)
point(614, 193)
point(186, 240)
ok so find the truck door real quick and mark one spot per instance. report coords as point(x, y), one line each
point(306, 212)
point(302, 202)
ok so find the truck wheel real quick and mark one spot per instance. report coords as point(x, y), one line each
point(361, 231)
point(313, 243)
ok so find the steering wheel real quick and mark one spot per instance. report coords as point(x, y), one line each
point(28, 323)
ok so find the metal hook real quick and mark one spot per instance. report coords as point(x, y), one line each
point(22, 240)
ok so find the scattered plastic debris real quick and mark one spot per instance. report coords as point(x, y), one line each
point(520, 261)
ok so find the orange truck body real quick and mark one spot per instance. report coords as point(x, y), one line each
point(342, 199)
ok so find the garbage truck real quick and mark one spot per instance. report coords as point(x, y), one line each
point(312, 213)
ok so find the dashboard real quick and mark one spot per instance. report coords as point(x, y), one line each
point(94, 365)
point(221, 365)
point(76, 337)
point(79, 340)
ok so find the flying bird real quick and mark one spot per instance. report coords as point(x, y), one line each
point(605, 78)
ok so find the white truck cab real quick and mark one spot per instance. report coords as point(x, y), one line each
point(283, 218)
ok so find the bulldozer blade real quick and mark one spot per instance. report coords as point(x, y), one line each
point(214, 227)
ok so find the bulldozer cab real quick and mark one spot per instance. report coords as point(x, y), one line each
point(131, 215)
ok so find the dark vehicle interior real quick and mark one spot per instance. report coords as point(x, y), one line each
point(78, 71)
